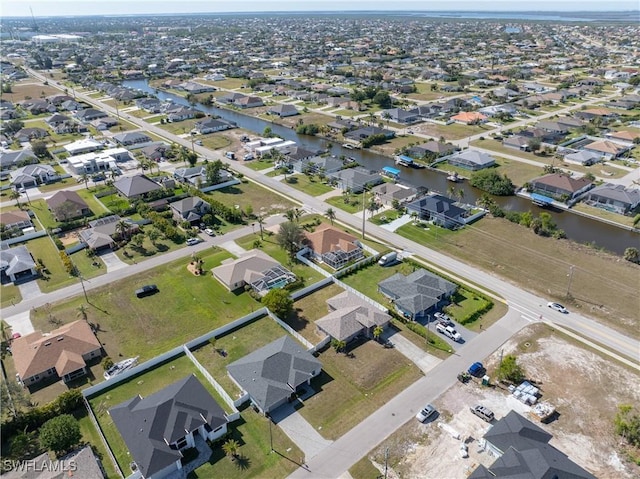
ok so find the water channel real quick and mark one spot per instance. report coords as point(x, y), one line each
point(577, 228)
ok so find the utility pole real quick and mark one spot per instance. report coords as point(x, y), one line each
point(364, 210)
point(270, 434)
point(386, 461)
point(82, 284)
point(570, 275)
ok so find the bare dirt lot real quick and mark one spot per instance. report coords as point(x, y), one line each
point(585, 388)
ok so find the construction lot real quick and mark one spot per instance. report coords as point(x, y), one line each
point(585, 388)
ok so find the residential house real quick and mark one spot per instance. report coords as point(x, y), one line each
point(469, 118)
point(316, 164)
point(129, 138)
point(103, 232)
point(439, 209)
point(209, 125)
point(249, 102)
point(365, 132)
point(28, 134)
point(273, 375)
point(151, 105)
point(197, 175)
point(355, 179)
point(523, 450)
point(401, 116)
point(560, 186)
point(592, 113)
point(230, 98)
point(57, 119)
point(86, 145)
point(195, 87)
point(33, 175)
point(388, 193)
point(158, 428)
point(471, 160)
point(155, 152)
point(431, 148)
point(102, 124)
point(17, 263)
point(17, 219)
point(283, 110)
point(350, 317)
point(583, 157)
point(553, 127)
point(609, 150)
point(518, 142)
point(62, 353)
point(616, 198)
point(67, 205)
point(333, 246)
point(81, 463)
point(418, 293)
point(89, 114)
point(10, 159)
point(254, 268)
point(190, 209)
point(136, 186)
point(182, 113)
point(627, 137)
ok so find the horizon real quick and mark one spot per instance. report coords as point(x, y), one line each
point(73, 8)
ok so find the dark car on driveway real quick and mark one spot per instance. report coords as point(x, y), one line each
point(146, 290)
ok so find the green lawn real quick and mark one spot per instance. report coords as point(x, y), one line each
point(262, 200)
point(518, 171)
point(454, 131)
point(236, 345)
point(385, 217)
point(464, 303)
point(180, 127)
point(253, 433)
point(115, 202)
point(309, 309)
point(39, 207)
point(10, 295)
point(354, 205)
point(95, 205)
point(58, 185)
point(145, 384)
point(270, 247)
point(215, 141)
point(352, 387)
point(607, 215)
point(309, 184)
point(90, 434)
point(186, 307)
point(429, 235)
point(56, 276)
point(364, 469)
point(147, 249)
point(258, 165)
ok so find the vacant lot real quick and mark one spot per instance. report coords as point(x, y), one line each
point(261, 200)
point(30, 89)
point(350, 387)
point(520, 256)
point(454, 131)
point(186, 307)
point(574, 379)
point(311, 185)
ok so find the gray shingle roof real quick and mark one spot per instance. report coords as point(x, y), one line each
point(273, 372)
point(148, 426)
point(16, 260)
point(418, 291)
point(135, 185)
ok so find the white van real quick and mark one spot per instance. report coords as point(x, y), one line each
point(388, 259)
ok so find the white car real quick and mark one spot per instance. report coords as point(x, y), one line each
point(443, 317)
point(425, 413)
point(558, 307)
point(193, 241)
point(210, 232)
point(448, 331)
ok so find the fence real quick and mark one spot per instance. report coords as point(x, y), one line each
point(320, 345)
point(290, 330)
point(301, 293)
point(75, 248)
point(218, 186)
point(360, 295)
point(358, 265)
point(104, 439)
point(226, 328)
point(300, 255)
point(19, 239)
point(207, 375)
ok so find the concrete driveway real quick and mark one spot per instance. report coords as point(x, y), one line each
point(20, 322)
point(112, 262)
point(29, 289)
point(425, 361)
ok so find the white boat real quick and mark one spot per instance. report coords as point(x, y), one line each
point(120, 367)
point(348, 146)
point(453, 177)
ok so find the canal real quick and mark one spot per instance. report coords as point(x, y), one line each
point(577, 228)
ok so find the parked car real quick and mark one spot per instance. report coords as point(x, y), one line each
point(210, 232)
point(558, 307)
point(448, 331)
point(193, 241)
point(388, 259)
point(476, 369)
point(443, 318)
point(425, 413)
point(248, 157)
point(147, 290)
point(482, 412)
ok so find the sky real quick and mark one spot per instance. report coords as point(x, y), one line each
point(43, 8)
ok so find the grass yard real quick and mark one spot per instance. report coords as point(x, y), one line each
point(55, 274)
point(130, 326)
point(309, 309)
point(115, 202)
point(58, 185)
point(454, 131)
point(350, 387)
point(390, 146)
point(39, 207)
point(180, 127)
point(354, 205)
point(95, 205)
point(236, 344)
point(10, 295)
point(253, 433)
point(258, 165)
point(147, 249)
point(607, 215)
point(123, 125)
point(145, 385)
point(262, 200)
point(518, 171)
point(363, 469)
point(90, 434)
point(28, 88)
point(271, 247)
point(228, 83)
point(309, 184)
point(215, 141)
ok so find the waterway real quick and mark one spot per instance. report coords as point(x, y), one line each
point(577, 228)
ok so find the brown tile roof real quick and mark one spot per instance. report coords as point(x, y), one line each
point(328, 238)
point(63, 349)
point(62, 197)
point(624, 135)
point(469, 117)
point(13, 217)
point(605, 146)
point(563, 181)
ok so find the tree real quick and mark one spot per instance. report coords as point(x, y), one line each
point(460, 194)
point(627, 424)
point(632, 255)
point(81, 312)
point(510, 370)
point(15, 195)
point(231, 447)
point(383, 99)
point(153, 234)
point(491, 182)
point(60, 433)
point(13, 126)
point(213, 170)
point(279, 302)
point(377, 331)
point(40, 149)
point(534, 144)
point(267, 132)
point(85, 180)
point(106, 363)
point(338, 345)
point(260, 221)
point(122, 228)
point(331, 214)
point(290, 238)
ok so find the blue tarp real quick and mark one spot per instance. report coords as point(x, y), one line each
point(537, 198)
point(391, 171)
point(405, 159)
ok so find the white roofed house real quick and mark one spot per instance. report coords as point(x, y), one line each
point(471, 160)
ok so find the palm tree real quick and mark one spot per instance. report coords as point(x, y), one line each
point(331, 214)
point(290, 215)
point(338, 345)
point(377, 331)
point(260, 221)
point(231, 448)
point(15, 195)
point(122, 228)
point(460, 194)
point(297, 213)
point(81, 312)
point(451, 191)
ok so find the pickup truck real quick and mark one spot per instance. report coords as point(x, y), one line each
point(449, 331)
